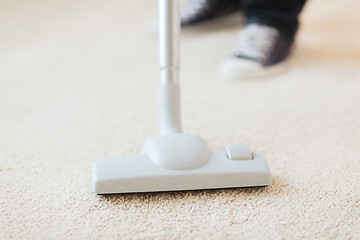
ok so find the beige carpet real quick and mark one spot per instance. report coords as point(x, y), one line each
point(78, 82)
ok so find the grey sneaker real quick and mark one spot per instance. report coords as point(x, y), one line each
point(259, 51)
point(196, 11)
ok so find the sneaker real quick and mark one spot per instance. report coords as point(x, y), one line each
point(259, 52)
point(196, 11)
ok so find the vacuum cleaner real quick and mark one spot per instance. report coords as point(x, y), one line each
point(175, 161)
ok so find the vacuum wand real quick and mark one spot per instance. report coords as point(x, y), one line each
point(169, 31)
point(169, 92)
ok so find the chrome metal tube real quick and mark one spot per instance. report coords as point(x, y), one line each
point(169, 31)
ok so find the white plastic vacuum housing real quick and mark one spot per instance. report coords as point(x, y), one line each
point(174, 160)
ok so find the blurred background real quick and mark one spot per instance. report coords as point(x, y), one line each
point(68, 37)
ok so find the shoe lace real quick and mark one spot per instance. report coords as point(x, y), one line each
point(256, 41)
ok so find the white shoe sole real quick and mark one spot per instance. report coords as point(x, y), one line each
point(239, 68)
point(243, 69)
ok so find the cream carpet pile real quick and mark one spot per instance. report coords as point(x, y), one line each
point(78, 83)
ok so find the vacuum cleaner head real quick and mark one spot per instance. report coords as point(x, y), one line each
point(180, 162)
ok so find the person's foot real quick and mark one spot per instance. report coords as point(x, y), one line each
point(259, 52)
point(196, 11)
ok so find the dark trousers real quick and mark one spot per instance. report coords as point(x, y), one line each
point(282, 14)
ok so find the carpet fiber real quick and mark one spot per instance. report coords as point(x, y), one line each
point(78, 83)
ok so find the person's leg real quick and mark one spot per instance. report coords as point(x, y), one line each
point(197, 11)
point(282, 14)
